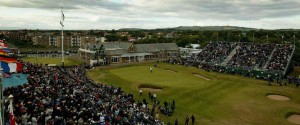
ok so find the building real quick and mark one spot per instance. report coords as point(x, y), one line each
point(74, 40)
point(125, 52)
point(188, 52)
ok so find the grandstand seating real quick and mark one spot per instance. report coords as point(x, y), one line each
point(251, 54)
point(271, 58)
point(280, 58)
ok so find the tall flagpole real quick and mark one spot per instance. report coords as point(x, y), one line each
point(62, 37)
point(62, 45)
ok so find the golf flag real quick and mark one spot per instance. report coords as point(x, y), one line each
point(62, 18)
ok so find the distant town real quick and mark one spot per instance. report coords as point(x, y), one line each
point(34, 41)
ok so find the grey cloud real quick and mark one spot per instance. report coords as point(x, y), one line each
point(66, 4)
point(221, 9)
point(163, 12)
point(193, 9)
point(36, 4)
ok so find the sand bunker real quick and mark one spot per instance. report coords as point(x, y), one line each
point(294, 119)
point(171, 70)
point(201, 76)
point(150, 88)
point(278, 97)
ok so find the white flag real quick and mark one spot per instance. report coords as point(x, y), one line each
point(62, 18)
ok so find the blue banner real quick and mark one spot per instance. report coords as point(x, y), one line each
point(15, 80)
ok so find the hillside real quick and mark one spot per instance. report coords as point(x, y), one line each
point(199, 28)
point(216, 28)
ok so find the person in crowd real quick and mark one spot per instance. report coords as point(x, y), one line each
point(269, 80)
point(141, 92)
point(193, 119)
point(186, 120)
point(176, 122)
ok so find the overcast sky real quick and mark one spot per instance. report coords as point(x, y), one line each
point(115, 14)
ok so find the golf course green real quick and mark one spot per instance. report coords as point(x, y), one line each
point(213, 98)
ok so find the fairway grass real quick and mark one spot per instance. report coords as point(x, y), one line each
point(57, 61)
point(222, 100)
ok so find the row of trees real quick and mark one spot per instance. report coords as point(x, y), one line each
point(183, 38)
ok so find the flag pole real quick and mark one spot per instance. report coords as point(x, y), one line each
point(62, 38)
point(62, 45)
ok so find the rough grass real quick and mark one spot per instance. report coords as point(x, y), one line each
point(223, 100)
point(57, 61)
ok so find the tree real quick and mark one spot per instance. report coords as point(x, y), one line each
point(112, 37)
point(124, 38)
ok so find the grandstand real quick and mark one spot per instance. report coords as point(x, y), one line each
point(248, 59)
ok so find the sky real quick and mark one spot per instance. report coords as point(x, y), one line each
point(149, 14)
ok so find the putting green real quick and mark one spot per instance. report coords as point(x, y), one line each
point(222, 100)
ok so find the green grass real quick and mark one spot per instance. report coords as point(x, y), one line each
point(223, 100)
point(57, 61)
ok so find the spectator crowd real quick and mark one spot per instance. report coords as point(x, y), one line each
point(280, 58)
point(65, 96)
point(214, 52)
point(249, 59)
point(249, 55)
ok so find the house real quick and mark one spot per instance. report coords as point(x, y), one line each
point(126, 52)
